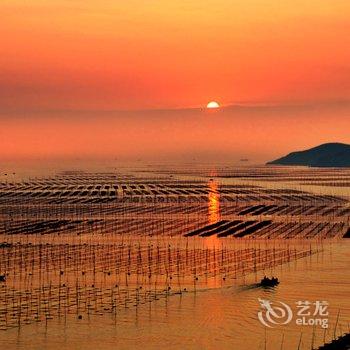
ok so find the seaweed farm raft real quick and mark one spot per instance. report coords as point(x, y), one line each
point(79, 244)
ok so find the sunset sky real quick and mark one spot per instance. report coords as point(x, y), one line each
point(106, 78)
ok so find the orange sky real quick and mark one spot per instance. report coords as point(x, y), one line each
point(107, 54)
point(142, 54)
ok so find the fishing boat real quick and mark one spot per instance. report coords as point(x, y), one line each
point(269, 282)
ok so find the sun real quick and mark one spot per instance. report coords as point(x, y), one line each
point(213, 104)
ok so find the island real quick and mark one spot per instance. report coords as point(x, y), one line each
point(335, 155)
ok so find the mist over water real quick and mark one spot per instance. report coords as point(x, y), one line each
point(228, 134)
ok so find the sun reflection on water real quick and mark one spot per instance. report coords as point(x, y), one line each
point(213, 213)
point(213, 202)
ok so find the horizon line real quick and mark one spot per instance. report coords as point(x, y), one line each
point(223, 106)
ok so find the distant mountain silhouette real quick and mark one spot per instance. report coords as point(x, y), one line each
point(326, 155)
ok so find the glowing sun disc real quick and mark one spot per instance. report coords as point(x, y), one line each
point(213, 104)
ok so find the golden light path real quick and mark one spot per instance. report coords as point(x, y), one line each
point(213, 211)
point(213, 202)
